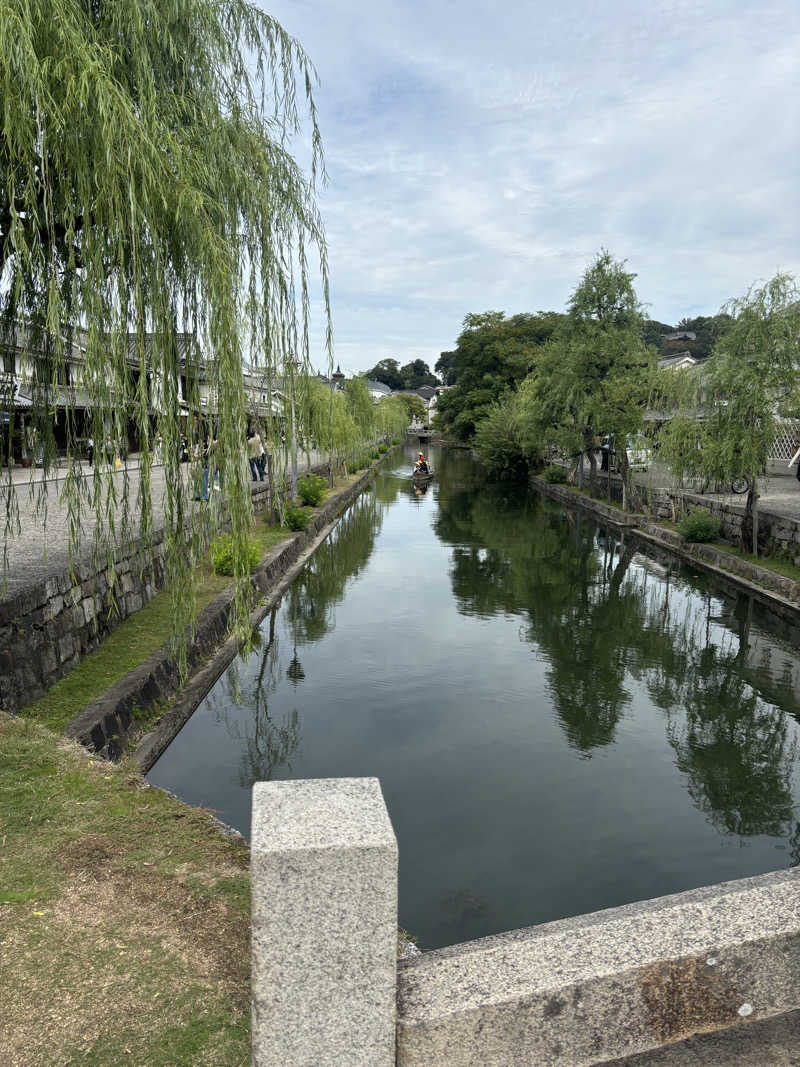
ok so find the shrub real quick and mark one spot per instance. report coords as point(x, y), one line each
point(698, 525)
point(383, 448)
point(296, 518)
point(311, 489)
point(222, 554)
point(555, 475)
point(353, 468)
point(374, 454)
point(395, 440)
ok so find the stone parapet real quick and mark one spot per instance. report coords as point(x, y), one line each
point(324, 924)
point(609, 985)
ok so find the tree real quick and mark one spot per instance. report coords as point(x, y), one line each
point(146, 188)
point(415, 409)
point(493, 354)
point(417, 373)
point(594, 377)
point(724, 422)
point(388, 372)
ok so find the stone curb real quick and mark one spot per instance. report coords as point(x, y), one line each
point(108, 725)
point(757, 580)
point(574, 496)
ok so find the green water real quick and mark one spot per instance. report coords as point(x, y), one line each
point(561, 721)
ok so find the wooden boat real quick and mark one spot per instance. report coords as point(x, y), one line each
point(421, 477)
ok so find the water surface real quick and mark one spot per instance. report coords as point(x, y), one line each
point(560, 720)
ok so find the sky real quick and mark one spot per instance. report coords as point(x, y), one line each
point(480, 155)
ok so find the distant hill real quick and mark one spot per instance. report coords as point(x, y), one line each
point(698, 335)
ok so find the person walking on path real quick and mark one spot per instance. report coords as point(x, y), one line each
point(254, 450)
point(796, 459)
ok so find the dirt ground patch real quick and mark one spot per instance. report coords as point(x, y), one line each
point(124, 925)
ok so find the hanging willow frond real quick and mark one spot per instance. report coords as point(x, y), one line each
point(150, 207)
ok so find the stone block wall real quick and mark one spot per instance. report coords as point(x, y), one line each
point(778, 535)
point(46, 629)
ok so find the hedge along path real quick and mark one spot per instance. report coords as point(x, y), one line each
point(124, 915)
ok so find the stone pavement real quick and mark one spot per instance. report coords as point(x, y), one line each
point(779, 492)
point(40, 545)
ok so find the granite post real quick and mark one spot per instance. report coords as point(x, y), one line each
point(324, 924)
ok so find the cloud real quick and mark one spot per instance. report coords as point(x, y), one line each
point(479, 158)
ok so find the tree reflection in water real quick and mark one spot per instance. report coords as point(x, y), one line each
point(602, 617)
point(309, 607)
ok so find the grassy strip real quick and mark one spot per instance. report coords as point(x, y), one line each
point(783, 567)
point(124, 915)
point(770, 563)
point(132, 642)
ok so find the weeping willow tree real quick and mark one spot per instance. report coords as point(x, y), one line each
point(152, 213)
point(725, 418)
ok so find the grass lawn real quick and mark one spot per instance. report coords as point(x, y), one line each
point(124, 916)
point(132, 642)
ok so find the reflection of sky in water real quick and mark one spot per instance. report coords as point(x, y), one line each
point(560, 722)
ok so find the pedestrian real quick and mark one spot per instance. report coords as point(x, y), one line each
point(262, 460)
point(90, 449)
point(796, 459)
point(254, 449)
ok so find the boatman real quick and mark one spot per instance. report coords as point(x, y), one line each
point(421, 466)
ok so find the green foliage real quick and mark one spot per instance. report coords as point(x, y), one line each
point(497, 438)
point(698, 525)
point(724, 418)
point(146, 180)
point(410, 376)
point(296, 518)
point(414, 408)
point(493, 354)
point(311, 489)
point(417, 373)
point(223, 558)
point(555, 475)
point(391, 417)
point(388, 372)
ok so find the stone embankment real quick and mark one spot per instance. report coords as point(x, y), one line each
point(48, 627)
point(784, 534)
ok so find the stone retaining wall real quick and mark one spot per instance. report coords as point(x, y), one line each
point(778, 535)
point(47, 629)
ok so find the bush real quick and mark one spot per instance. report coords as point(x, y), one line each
point(555, 475)
point(395, 440)
point(382, 449)
point(698, 525)
point(374, 454)
point(222, 554)
point(311, 489)
point(296, 518)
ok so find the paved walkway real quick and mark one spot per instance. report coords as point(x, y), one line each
point(40, 545)
point(779, 492)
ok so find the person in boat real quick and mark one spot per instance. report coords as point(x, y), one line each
point(421, 467)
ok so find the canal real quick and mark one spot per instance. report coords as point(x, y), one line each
point(561, 721)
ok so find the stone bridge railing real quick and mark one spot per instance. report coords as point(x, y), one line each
point(722, 962)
